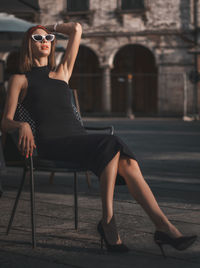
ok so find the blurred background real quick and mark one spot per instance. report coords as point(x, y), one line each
point(136, 57)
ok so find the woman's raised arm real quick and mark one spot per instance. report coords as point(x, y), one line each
point(74, 31)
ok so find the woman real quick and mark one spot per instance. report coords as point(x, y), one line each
point(59, 135)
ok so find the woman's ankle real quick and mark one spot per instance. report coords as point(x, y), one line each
point(110, 230)
point(106, 221)
point(169, 229)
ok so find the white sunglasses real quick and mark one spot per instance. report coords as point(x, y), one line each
point(40, 38)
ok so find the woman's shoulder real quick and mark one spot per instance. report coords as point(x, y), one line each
point(19, 79)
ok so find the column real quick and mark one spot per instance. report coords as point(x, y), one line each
point(106, 89)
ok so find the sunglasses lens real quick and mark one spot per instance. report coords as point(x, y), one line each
point(37, 37)
point(49, 37)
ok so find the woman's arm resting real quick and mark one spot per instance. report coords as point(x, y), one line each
point(26, 140)
point(14, 87)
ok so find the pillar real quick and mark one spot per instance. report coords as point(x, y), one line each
point(106, 89)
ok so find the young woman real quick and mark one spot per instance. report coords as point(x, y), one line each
point(44, 90)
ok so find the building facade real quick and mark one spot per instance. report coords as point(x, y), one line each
point(136, 53)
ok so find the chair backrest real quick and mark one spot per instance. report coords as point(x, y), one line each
point(22, 114)
point(75, 105)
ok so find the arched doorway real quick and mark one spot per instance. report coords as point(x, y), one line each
point(86, 78)
point(140, 62)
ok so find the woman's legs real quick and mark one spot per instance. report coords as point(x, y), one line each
point(139, 189)
point(107, 184)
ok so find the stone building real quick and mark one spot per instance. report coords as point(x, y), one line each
point(133, 52)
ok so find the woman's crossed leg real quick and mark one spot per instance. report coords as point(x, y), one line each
point(129, 169)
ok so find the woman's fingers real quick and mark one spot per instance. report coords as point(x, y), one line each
point(32, 147)
point(19, 143)
point(28, 144)
point(24, 145)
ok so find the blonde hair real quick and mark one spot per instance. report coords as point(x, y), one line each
point(26, 55)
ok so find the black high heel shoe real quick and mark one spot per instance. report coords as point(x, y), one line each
point(120, 248)
point(179, 243)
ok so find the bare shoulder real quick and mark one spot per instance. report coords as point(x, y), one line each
point(18, 81)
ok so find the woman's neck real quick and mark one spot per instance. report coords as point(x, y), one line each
point(40, 62)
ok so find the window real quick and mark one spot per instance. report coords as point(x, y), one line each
point(134, 7)
point(132, 4)
point(77, 5)
point(79, 9)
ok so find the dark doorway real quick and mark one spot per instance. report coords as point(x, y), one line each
point(86, 78)
point(140, 62)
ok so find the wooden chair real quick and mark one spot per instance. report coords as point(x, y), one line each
point(34, 163)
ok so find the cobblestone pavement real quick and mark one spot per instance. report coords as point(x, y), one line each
point(168, 151)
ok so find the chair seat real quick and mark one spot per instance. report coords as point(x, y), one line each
point(59, 166)
point(49, 165)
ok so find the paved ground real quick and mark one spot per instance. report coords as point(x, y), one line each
point(169, 155)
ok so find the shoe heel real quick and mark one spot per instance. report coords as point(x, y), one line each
point(162, 250)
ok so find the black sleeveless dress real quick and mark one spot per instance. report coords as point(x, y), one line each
point(59, 134)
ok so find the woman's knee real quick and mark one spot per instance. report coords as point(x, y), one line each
point(113, 162)
point(125, 163)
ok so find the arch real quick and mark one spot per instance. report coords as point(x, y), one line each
point(86, 79)
point(92, 50)
point(116, 50)
point(140, 62)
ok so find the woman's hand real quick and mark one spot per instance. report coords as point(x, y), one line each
point(26, 142)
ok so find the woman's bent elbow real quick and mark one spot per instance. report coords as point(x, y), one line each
point(77, 27)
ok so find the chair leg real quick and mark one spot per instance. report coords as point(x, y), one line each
point(32, 192)
point(75, 201)
point(16, 200)
point(88, 179)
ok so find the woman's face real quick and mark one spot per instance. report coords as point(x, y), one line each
point(40, 48)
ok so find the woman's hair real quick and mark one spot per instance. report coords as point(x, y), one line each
point(26, 55)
